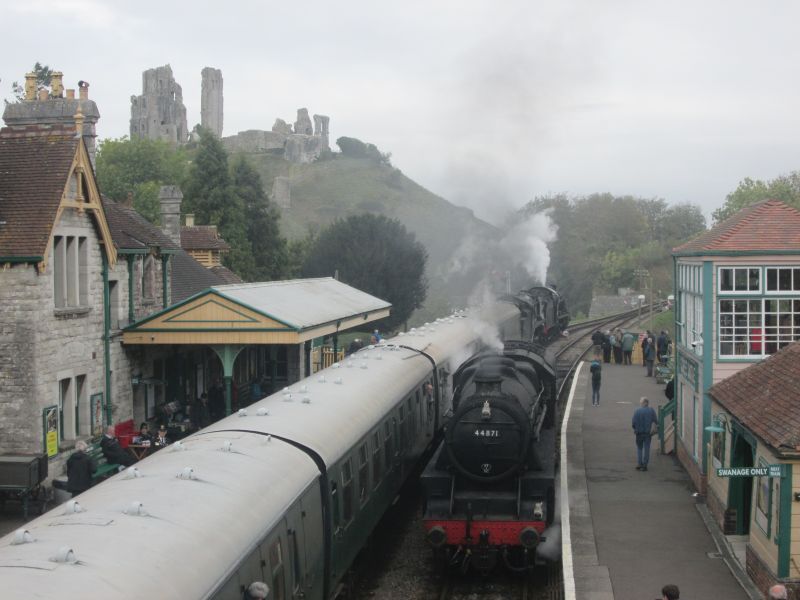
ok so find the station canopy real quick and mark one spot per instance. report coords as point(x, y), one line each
point(274, 312)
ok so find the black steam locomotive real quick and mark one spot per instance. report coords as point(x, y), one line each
point(489, 489)
point(543, 313)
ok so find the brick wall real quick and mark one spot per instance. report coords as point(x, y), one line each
point(717, 508)
point(764, 578)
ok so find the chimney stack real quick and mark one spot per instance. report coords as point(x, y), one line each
point(43, 95)
point(30, 86)
point(57, 85)
point(190, 219)
point(83, 90)
point(170, 197)
point(70, 94)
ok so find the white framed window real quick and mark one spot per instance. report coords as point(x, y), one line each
point(70, 271)
point(739, 280)
point(782, 280)
point(756, 328)
point(71, 397)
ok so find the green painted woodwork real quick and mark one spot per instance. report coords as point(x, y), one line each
point(708, 352)
point(227, 353)
point(785, 523)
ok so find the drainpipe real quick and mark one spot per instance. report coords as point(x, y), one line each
point(107, 337)
point(131, 258)
point(164, 281)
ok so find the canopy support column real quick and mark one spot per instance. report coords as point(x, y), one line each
point(227, 354)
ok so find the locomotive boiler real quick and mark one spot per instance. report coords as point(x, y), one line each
point(489, 488)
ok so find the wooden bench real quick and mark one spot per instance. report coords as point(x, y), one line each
point(103, 469)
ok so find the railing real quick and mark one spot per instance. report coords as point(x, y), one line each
point(665, 432)
point(322, 357)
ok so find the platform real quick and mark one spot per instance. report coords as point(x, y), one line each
point(628, 532)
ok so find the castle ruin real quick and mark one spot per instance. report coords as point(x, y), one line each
point(159, 113)
point(302, 143)
point(211, 101)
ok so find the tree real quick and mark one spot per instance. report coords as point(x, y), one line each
point(785, 188)
point(269, 248)
point(210, 194)
point(139, 167)
point(374, 254)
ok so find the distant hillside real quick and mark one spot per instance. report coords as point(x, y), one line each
point(341, 186)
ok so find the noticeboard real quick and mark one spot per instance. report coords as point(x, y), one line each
point(50, 429)
point(96, 414)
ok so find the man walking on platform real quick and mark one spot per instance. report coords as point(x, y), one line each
point(627, 347)
point(644, 418)
point(596, 370)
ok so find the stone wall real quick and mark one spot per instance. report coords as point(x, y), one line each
point(211, 101)
point(691, 468)
point(159, 113)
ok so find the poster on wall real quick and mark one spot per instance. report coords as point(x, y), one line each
point(96, 416)
point(50, 428)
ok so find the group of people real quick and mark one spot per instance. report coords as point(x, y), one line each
point(614, 344)
point(357, 344)
point(81, 467)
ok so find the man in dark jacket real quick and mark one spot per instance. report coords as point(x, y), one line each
point(80, 467)
point(642, 422)
point(114, 453)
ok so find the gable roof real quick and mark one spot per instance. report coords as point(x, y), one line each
point(768, 226)
point(225, 274)
point(188, 277)
point(202, 237)
point(34, 165)
point(131, 231)
point(765, 398)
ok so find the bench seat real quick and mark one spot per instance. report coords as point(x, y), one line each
point(103, 469)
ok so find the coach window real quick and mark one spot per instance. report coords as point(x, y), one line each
point(387, 444)
point(401, 442)
point(376, 459)
point(276, 562)
point(363, 473)
point(347, 490)
point(337, 520)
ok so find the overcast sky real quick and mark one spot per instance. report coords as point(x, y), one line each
point(485, 103)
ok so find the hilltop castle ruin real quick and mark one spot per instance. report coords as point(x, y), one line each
point(159, 114)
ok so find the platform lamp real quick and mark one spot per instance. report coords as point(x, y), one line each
point(719, 424)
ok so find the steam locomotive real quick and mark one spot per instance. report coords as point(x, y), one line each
point(489, 489)
point(543, 313)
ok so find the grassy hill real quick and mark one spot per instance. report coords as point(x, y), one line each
point(342, 186)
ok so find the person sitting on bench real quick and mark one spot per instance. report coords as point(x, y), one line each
point(113, 452)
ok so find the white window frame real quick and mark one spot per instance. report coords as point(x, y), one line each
point(774, 334)
point(734, 268)
point(794, 273)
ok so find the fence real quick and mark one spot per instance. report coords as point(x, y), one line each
point(322, 357)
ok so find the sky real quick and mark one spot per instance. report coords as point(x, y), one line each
point(486, 103)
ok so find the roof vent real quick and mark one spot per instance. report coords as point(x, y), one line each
point(306, 400)
point(242, 412)
point(371, 347)
point(363, 365)
point(335, 365)
point(177, 447)
point(22, 536)
point(73, 507)
point(321, 378)
point(135, 509)
point(350, 364)
point(132, 473)
point(262, 412)
point(378, 356)
point(65, 555)
point(338, 381)
point(287, 397)
point(401, 334)
point(188, 472)
point(227, 446)
point(304, 389)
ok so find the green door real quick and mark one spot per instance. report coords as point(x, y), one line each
point(740, 490)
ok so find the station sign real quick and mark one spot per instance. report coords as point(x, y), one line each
point(765, 471)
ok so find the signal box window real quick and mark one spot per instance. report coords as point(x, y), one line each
point(746, 279)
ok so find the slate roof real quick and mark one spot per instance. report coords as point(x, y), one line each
point(770, 225)
point(34, 165)
point(765, 398)
point(131, 231)
point(226, 274)
point(304, 303)
point(202, 237)
point(189, 277)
